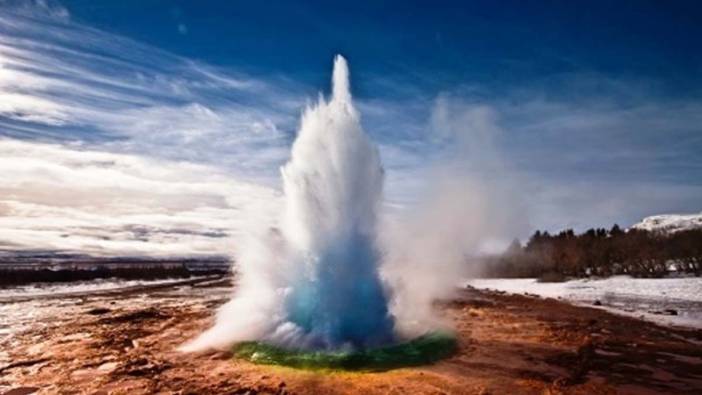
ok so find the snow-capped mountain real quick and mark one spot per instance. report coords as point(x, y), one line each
point(670, 222)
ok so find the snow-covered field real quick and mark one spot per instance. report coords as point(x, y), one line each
point(42, 289)
point(31, 306)
point(651, 299)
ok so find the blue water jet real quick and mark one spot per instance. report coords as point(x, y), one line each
point(333, 187)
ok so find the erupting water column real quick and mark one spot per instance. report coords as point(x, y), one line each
point(314, 285)
point(333, 186)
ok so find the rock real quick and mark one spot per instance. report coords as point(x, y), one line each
point(597, 303)
point(142, 367)
point(83, 374)
point(108, 367)
point(665, 312)
point(22, 391)
point(29, 362)
point(98, 311)
point(484, 391)
point(133, 317)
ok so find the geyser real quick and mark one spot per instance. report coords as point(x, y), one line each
point(314, 283)
point(333, 185)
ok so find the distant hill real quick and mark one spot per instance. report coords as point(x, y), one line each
point(670, 223)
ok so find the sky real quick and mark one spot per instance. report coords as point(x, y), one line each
point(159, 127)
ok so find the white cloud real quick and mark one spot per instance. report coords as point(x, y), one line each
point(150, 152)
point(60, 198)
point(46, 8)
point(33, 109)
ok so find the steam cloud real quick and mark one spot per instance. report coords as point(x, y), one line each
point(470, 207)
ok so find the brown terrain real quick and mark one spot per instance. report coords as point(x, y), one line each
point(508, 344)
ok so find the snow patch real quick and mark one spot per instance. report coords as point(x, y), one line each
point(647, 298)
point(670, 223)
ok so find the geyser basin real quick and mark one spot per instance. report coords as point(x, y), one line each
point(420, 351)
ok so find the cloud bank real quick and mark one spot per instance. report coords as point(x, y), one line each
point(69, 199)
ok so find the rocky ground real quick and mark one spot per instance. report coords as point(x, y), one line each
point(126, 344)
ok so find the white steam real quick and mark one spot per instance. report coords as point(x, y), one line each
point(469, 206)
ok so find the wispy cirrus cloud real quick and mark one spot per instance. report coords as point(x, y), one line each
point(48, 8)
point(63, 81)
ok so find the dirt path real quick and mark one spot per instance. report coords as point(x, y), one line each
point(507, 345)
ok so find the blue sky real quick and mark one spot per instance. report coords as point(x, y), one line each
point(593, 110)
point(492, 43)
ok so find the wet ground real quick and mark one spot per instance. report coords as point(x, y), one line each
point(125, 343)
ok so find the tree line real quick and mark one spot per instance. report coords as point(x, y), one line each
point(10, 276)
point(601, 252)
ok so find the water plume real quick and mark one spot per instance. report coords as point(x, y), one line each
point(314, 283)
